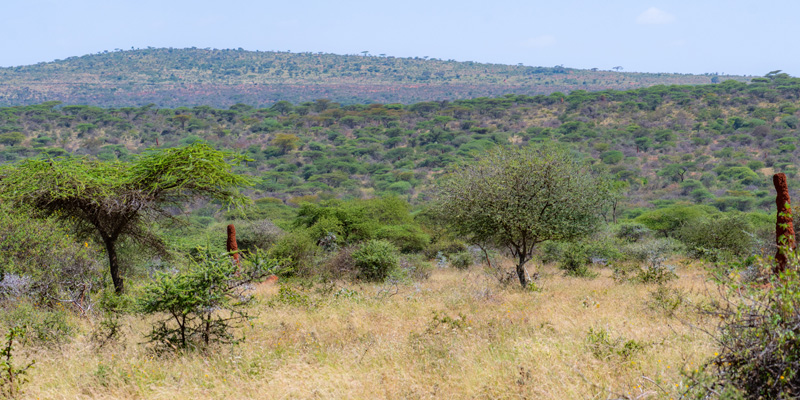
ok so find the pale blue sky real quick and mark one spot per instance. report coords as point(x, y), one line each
point(734, 36)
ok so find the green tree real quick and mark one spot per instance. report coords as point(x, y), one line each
point(11, 138)
point(205, 303)
point(114, 200)
point(183, 119)
point(286, 142)
point(518, 198)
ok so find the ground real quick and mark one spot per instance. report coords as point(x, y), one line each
point(459, 334)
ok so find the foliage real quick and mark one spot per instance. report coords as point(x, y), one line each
point(289, 296)
point(632, 232)
point(113, 200)
point(204, 304)
point(12, 377)
point(603, 346)
point(359, 151)
point(461, 260)
point(666, 300)
point(517, 198)
point(225, 77)
point(444, 246)
point(759, 343)
point(260, 234)
point(575, 261)
point(719, 236)
point(38, 258)
point(44, 325)
point(375, 259)
point(299, 249)
point(408, 238)
point(649, 259)
point(667, 221)
point(354, 221)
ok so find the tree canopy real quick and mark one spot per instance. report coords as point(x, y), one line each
point(113, 200)
point(517, 198)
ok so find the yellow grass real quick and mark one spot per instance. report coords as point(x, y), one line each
point(512, 344)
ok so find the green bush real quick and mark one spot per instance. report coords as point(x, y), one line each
point(720, 237)
point(375, 260)
point(445, 247)
point(759, 345)
point(42, 253)
point(262, 234)
point(299, 249)
point(461, 260)
point(650, 256)
point(205, 303)
point(43, 325)
point(552, 251)
point(632, 232)
point(669, 219)
point(407, 237)
point(575, 261)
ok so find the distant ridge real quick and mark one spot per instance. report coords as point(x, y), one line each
point(221, 78)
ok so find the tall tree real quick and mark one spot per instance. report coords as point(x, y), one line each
point(518, 198)
point(114, 200)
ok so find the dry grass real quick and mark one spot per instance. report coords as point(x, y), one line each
point(509, 344)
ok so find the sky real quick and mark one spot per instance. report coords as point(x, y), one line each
point(697, 36)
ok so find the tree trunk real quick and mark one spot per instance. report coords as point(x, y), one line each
point(113, 264)
point(521, 274)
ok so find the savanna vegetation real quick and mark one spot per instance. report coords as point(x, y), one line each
point(221, 78)
point(605, 244)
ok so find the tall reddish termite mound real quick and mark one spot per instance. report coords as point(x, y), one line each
point(231, 245)
point(784, 229)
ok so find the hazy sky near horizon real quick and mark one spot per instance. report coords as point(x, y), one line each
point(687, 36)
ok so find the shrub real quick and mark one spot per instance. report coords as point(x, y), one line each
point(718, 237)
point(552, 251)
point(299, 249)
point(44, 326)
point(40, 259)
point(12, 377)
point(575, 261)
point(632, 232)
point(603, 346)
point(375, 260)
point(461, 260)
point(409, 238)
point(651, 256)
point(261, 234)
point(444, 247)
point(341, 264)
point(205, 303)
point(666, 300)
point(290, 297)
point(668, 220)
point(415, 267)
point(759, 353)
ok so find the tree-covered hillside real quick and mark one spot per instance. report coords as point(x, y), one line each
point(710, 144)
point(221, 78)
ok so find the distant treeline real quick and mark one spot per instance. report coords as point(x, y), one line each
point(221, 78)
point(709, 144)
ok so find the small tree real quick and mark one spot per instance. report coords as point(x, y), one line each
point(518, 198)
point(205, 303)
point(114, 200)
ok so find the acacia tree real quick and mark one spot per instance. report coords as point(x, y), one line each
point(518, 198)
point(115, 200)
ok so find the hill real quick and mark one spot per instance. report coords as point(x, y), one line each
point(709, 144)
point(221, 78)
